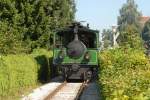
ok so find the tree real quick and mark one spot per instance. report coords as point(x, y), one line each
point(10, 42)
point(130, 38)
point(129, 15)
point(34, 21)
point(43, 17)
point(146, 33)
point(129, 26)
point(107, 38)
point(10, 31)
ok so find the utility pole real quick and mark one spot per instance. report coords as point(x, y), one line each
point(115, 36)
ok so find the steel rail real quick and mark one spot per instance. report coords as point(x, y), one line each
point(79, 93)
point(82, 87)
point(50, 96)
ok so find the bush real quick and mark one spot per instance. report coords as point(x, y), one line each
point(124, 74)
point(18, 72)
point(44, 59)
point(39, 52)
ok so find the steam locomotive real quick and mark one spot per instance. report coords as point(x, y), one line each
point(75, 52)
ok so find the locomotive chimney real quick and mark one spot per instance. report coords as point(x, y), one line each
point(88, 25)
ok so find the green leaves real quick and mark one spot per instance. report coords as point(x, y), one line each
point(146, 33)
point(19, 72)
point(130, 38)
point(129, 15)
point(32, 22)
point(124, 74)
point(107, 38)
point(129, 25)
point(9, 39)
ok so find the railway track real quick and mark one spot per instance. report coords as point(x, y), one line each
point(57, 90)
point(51, 95)
point(67, 91)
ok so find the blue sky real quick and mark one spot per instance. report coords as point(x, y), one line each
point(102, 14)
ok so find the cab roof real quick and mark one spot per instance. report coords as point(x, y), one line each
point(81, 29)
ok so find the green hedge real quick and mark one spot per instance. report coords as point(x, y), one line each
point(44, 59)
point(23, 71)
point(124, 75)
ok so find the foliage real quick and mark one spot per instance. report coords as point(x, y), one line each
point(107, 38)
point(130, 38)
point(22, 71)
point(129, 26)
point(124, 75)
point(32, 22)
point(129, 15)
point(44, 59)
point(17, 73)
point(39, 51)
point(10, 40)
point(146, 33)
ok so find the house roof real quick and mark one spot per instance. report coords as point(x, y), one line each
point(144, 19)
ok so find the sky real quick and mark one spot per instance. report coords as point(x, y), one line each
point(102, 14)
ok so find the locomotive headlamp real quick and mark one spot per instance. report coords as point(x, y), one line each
point(87, 56)
point(60, 57)
point(61, 54)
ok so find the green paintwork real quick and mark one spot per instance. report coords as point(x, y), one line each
point(67, 60)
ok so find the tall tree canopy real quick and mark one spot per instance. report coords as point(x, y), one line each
point(146, 34)
point(146, 31)
point(128, 24)
point(129, 15)
point(107, 38)
point(33, 21)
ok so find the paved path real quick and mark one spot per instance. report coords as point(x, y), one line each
point(91, 92)
point(41, 92)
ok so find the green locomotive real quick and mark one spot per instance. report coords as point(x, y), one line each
point(75, 52)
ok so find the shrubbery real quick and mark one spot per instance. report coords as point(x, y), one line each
point(124, 75)
point(44, 59)
point(18, 72)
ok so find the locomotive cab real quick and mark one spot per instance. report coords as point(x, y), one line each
point(75, 52)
